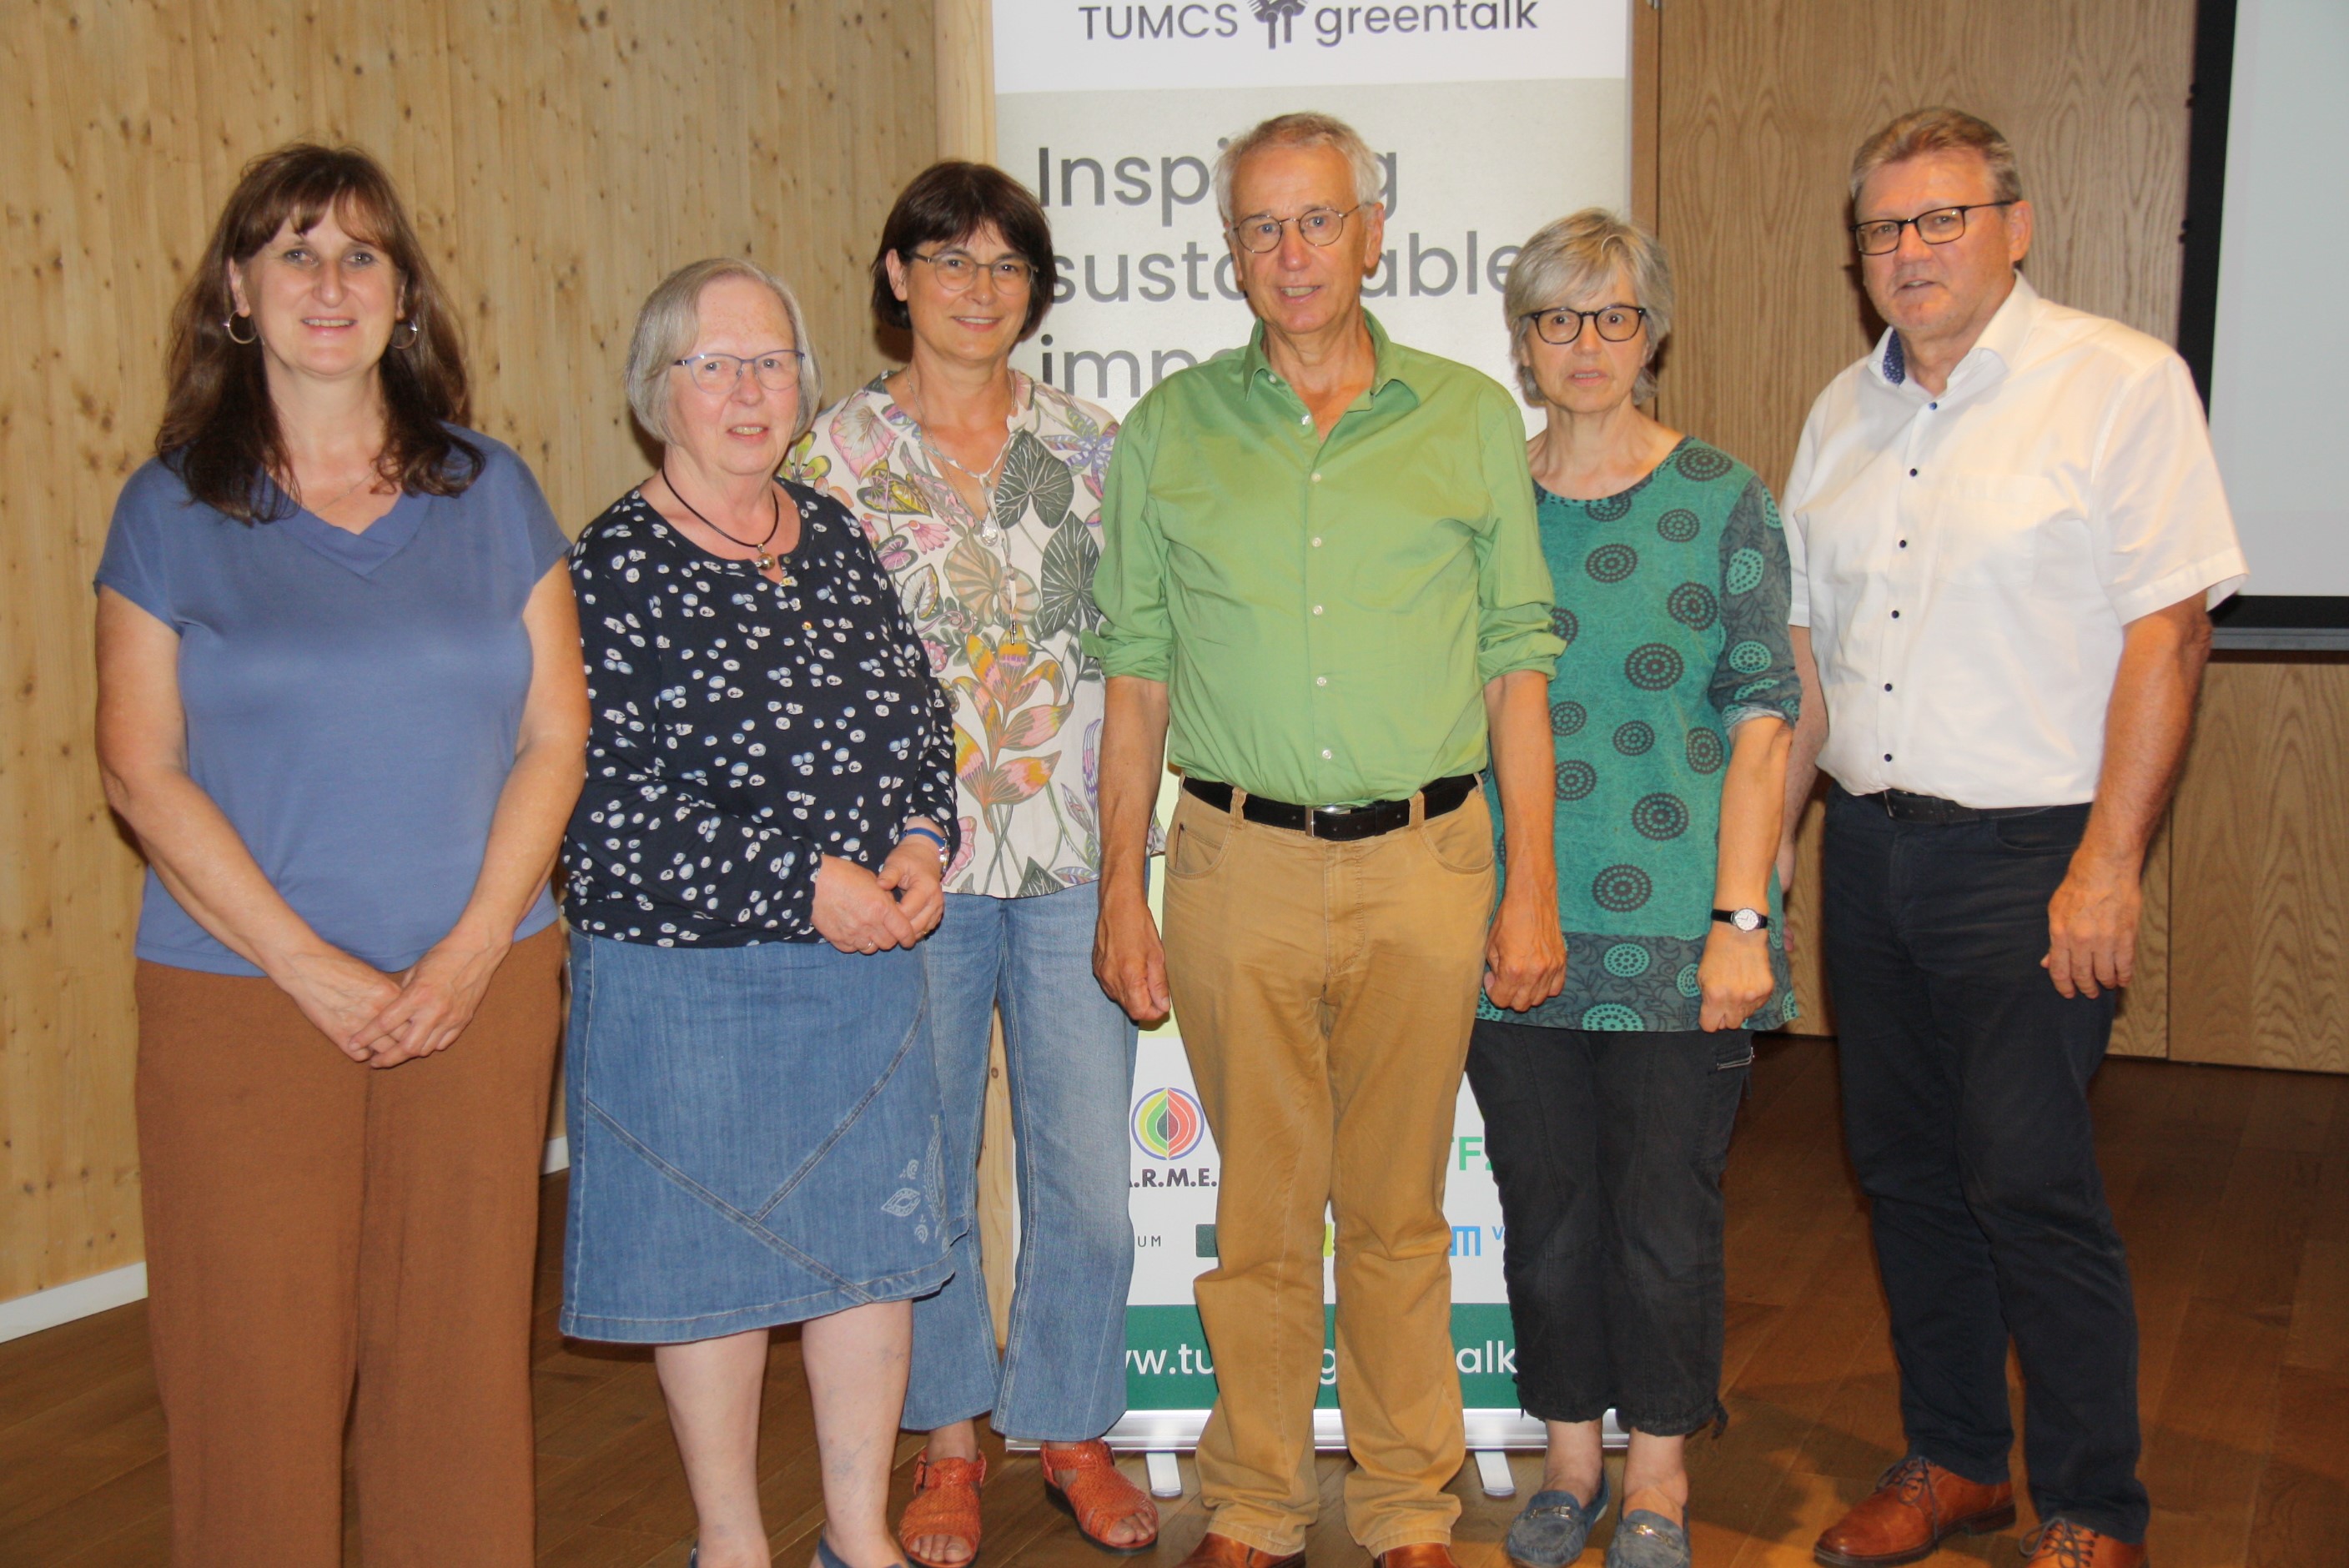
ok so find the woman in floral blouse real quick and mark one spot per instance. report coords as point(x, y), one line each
point(981, 489)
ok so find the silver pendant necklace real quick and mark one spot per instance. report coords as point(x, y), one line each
point(988, 530)
point(766, 555)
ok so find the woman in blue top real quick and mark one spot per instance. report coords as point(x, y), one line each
point(341, 707)
point(1607, 1109)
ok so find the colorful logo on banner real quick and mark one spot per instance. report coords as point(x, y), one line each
point(1168, 1124)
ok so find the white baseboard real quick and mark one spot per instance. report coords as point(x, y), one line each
point(119, 1288)
point(64, 1303)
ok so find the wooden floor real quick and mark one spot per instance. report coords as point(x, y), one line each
point(2232, 1190)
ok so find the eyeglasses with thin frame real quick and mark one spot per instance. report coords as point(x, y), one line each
point(778, 369)
point(1560, 327)
point(1881, 236)
point(957, 270)
point(1315, 226)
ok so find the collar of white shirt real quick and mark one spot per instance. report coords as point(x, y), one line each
point(1999, 349)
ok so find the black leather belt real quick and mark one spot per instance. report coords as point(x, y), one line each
point(1340, 824)
point(1903, 807)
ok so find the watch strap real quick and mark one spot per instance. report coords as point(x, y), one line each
point(1729, 917)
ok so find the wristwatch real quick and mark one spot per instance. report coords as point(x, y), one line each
point(1742, 919)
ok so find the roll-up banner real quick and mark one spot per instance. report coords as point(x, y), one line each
point(1490, 118)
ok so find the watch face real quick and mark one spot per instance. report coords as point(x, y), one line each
point(1746, 920)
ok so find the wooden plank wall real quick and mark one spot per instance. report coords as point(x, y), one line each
point(1759, 107)
point(559, 157)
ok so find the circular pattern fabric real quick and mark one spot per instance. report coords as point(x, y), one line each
point(1576, 781)
point(1614, 1018)
point(1614, 563)
point(1653, 666)
point(1679, 525)
point(1626, 960)
point(1634, 739)
point(1704, 753)
point(1661, 816)
point(1749, 658)
point(1749, 690)
point(1563, 625)
point(1745, 574)
point(1700, 463)
point(1567, 717)
point(1686, 982)
point(1693, 605)
point(1621, 889)
point(1607, 508)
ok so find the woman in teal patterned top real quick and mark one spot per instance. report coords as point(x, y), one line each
point(1607, 1109)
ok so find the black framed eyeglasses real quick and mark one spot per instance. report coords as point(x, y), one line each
point(1315, 226)
point(1881, 236)
point(957, 270)
point(1560, 327)
point(778, 369)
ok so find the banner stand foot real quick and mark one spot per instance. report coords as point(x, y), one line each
point(1493, 1471)
point(1166, 1480)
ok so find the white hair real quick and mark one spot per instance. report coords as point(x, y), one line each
point(671, 320)
point(1305, 130)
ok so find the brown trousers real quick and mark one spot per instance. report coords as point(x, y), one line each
point(1325, 993)
point(332, 1244)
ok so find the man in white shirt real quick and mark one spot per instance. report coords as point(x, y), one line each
point(2006, 528)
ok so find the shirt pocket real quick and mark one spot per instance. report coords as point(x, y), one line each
point(1992, 530)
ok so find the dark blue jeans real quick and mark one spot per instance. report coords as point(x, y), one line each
point(1608, 1151)
point(1965, 1079)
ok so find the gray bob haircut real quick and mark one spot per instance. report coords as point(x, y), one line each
point(1927, 130)
point(671, 319)
point(1578, 255)
point(1300, 131)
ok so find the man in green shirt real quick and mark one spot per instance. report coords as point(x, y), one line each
point(1322, 582)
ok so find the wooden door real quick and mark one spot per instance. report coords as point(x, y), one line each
point(1758, 107)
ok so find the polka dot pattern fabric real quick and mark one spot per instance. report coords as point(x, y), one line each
point(742, 730)
point(1673, 598)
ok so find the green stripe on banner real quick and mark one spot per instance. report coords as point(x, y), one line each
point(1168, 1367)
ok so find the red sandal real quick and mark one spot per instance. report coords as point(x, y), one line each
point(945, 1502)
point(1097, 1496)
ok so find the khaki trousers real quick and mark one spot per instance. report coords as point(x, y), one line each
point(1325, 993)
point(331, 1243)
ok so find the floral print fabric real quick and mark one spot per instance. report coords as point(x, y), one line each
point(1000, 601)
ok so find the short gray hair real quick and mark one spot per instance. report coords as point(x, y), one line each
point(1577, 254)
point(1924, 130)
point(671, 319)
point(1300, 131)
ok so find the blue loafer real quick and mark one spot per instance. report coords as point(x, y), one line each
point(1553, 1527)
point(1645, 1540)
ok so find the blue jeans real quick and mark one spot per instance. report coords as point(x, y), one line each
point(1069, 1051)
point(1965, 1101)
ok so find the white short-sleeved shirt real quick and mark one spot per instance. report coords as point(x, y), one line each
point(1966, 562)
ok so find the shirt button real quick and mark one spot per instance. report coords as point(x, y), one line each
point(1896, 615)
point(1912, 473)
point(1317, 479)
point(1888, 756)
point(1325, 755)
point(1317, 542)
point(1324, 680)
point(1305, 419)
point(1904, 545)
point(1317, 610)
point(1888, 686)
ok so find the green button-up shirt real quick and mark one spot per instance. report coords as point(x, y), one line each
point(1325, 613)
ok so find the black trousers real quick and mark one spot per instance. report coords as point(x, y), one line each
point(1965, 1079)
point(1608, 1150)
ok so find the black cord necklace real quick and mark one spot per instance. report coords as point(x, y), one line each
point(766, 556)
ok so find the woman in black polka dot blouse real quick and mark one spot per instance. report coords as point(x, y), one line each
point(754, 1118)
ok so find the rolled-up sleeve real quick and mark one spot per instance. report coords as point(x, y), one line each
point(1513, 586)
point(1136, 634)
point(1754, 677)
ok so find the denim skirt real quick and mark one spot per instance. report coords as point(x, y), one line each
point(754, 1139)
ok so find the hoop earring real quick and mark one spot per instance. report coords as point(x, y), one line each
point(415, 333)
point(228, 324)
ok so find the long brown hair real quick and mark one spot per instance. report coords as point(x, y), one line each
point(219, 431)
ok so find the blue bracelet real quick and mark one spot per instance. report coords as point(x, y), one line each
point(917, 831)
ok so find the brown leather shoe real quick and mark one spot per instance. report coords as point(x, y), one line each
point(1915, 1507)
point(1216, 1551)
point(2060, 1543)
point(1428, 1555)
